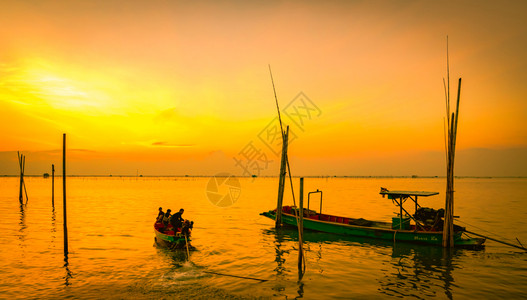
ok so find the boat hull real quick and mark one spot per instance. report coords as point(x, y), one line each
point(172, 241)
point(376, 232)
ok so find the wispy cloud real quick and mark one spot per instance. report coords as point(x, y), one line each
point(167, 144)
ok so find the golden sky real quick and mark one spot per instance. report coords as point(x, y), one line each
point(183, 87)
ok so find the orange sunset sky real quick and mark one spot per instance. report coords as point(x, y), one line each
point(183, 87)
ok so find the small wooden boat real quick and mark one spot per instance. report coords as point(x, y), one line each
point(423, 227)
point(173, 239)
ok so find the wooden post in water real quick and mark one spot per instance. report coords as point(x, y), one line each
point(281, 180)
point(64, 195)
point(301, 230)
point(53, 185)
point(23, 182)
point(20, 197)
point(22, 165)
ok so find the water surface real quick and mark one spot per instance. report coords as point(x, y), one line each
point(112, 252)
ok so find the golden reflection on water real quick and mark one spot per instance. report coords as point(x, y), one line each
point(112, 247)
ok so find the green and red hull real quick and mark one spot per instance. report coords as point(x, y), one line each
point(372, 229)
point(170, 239)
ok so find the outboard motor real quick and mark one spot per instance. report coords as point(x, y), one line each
point(187, 227)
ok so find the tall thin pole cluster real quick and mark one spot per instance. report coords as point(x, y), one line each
point(451, 134)
point(284, 162)
point(22, 165)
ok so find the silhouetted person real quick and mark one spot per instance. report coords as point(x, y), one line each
point(166, 218)
point(160, 215)
point(177, 220)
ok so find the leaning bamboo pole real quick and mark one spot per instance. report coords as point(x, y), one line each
point(283, 161)
point(281, 186)
point(281, 180)
point(23, 181)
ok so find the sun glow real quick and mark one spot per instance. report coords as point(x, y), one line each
point(110, 111)
point(62, 93)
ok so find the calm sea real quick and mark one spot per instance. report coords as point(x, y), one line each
point(112, 252)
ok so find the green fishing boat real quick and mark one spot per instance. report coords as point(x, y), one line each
point(173, 239)
point(425, 226)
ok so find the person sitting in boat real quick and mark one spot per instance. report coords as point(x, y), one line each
point(160, 215)
point(177, 219)
point(166, 218)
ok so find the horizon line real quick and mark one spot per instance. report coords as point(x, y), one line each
point(270, 176)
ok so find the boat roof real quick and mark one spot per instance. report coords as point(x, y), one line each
point(409, 193)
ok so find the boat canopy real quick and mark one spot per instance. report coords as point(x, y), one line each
point(406, 194)
point(400, 197)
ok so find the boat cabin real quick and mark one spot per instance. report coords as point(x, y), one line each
point(426, 219)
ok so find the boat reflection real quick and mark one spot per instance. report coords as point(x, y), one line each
point(408, 270)
point(419, 272)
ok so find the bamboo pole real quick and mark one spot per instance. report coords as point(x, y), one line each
point(301, 229)
point(53, 185)
point(23, 189)
point(186, 244)
point(451, 134)
point(448, 226)
point(300, 225)
point(64, 195)
point(284, 163)
point(276, 101)
point(235, 276)
point(20, 165)
point(496, 240)
point(64, 211)
point(281, 180)
point(23, 181)
point(448, 80)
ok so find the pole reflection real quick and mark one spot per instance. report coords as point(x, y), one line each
point(23, 227)
point(281, 237)
point(279, 252)
point(53, 225)
point(448, 255)
point(68, 274)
